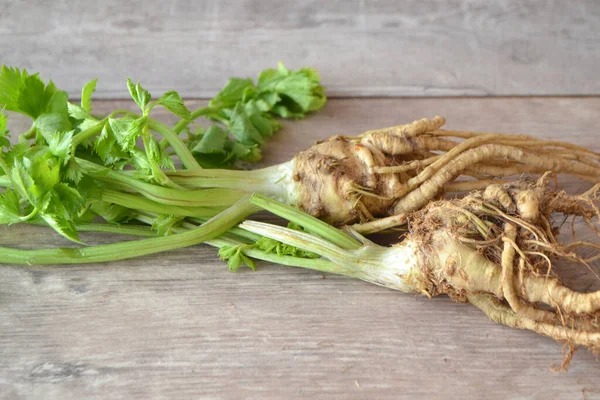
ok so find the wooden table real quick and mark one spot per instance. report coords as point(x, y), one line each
point(179, 324)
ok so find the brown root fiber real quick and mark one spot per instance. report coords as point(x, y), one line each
point(395, 170)
point(497, 248)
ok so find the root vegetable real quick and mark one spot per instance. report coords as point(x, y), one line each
point(492, 249)
point(496, 249)
point(397, 170)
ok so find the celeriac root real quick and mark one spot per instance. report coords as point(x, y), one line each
point(396, 170)
point(496, 249)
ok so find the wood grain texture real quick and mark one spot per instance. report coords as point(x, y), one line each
point(364, 48)
point(179, 325)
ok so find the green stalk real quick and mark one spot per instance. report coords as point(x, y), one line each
point(275, 181)
point(30, 134)
point(195, 114)
point(135, 248)
point(176, 143)
point(88, 133)
point(119, 229)
point(237, 231)
point(182, 124)
point(385, 266)
point(164, 195)
point(308, 222)
point(142, 203)
point(131, 230)
point(229, 239)
point(145, 231)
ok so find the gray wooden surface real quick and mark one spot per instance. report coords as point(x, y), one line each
point(377, 48)
point(180, 325)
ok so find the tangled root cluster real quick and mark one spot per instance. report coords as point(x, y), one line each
point(393, 171)
point(497, 248)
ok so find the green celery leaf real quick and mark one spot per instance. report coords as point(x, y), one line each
point(62, 225)
point(70, 198)
point(21, 179)
point(164, 224)
point(107, 148)
point(262, 103)
point(284, 111)
point(35, 97)
point(281, 249)
point(86, 95)
point(11, 83)
point(139, 159)
point(58, 103)
point(214, 140)
point(232, 93)
point(127, 130)
point(48, 124)
point(248, 261)
point(87, 123)
point(269, 245)
point(73, 171)
point(235, 258)
point(4, 133)
point(77, 112)
point(59, 144)
point(247, 153)
point(301, 86)
point(158, 154)
point(10, 208)
point(28, 94)
point(3, 121)
point(45, 174)
point(173, 102)
point(140, 95)
point(242, 128)
point(264, 124)
point(111, 212)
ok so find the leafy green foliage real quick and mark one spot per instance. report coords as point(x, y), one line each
point(214, 148)
point(299, 91)
point(173, 102)
point(59, 144)
point(10, 208)
point(248, 111)
point(140, 95)
point(235, 257)
point(4, 142)
point(112, 213)
point(38, 180)
point(48, 124)
point(27, 94)
point(86, 95)
point(164, 224)
point(126, 130)
point(281, 249)
point(58, 171)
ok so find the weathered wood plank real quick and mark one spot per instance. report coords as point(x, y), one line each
point(179, 325)
point(383, 48)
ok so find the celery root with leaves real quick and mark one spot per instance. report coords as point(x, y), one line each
point(82, 166)
point(75, 171)
point(495, 249)
point(375, 179)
